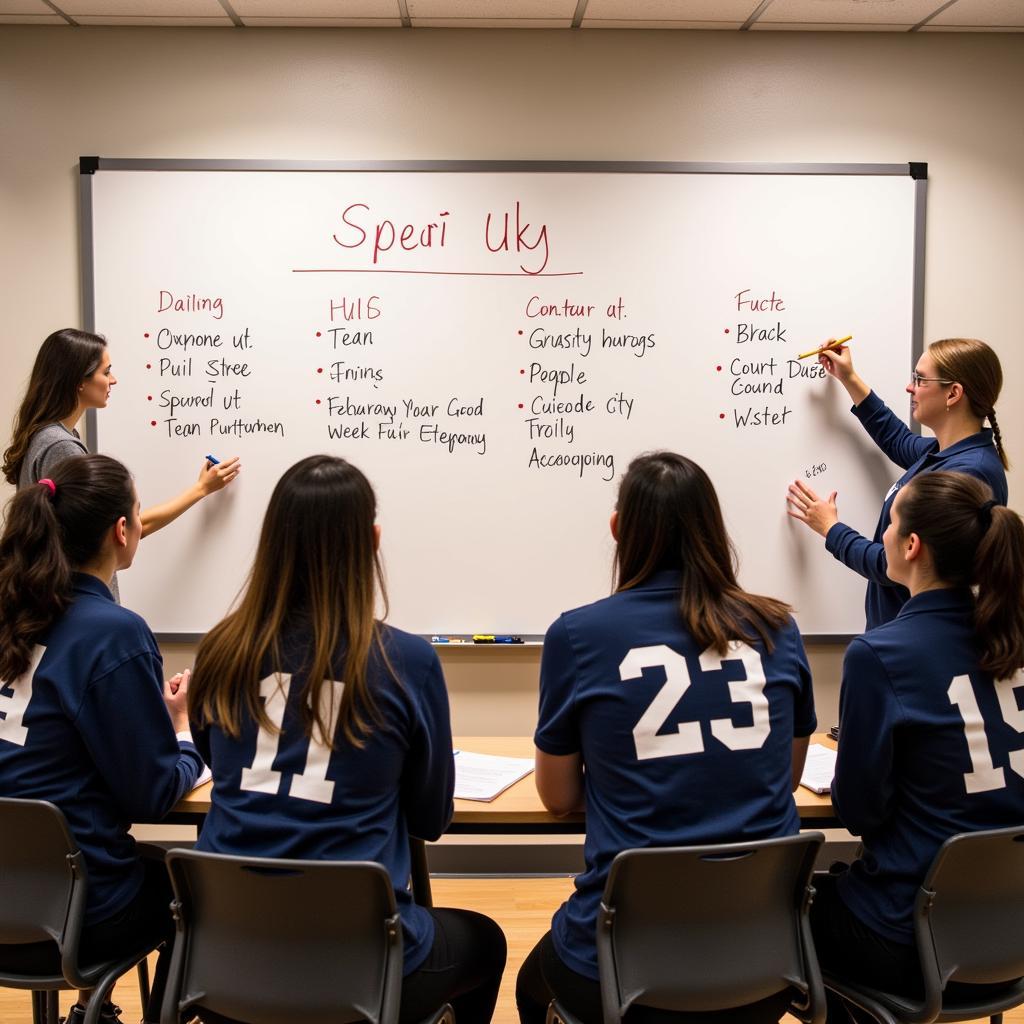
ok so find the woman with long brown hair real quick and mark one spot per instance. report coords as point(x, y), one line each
point(87, 721)
point(73, 373)
point(930, 721)
point(328, 731)
point(953, 390)
point(644, 700)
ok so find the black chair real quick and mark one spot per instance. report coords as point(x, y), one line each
point(43, 889)
point(969, 928)
point(279, 941)
point(703, 928)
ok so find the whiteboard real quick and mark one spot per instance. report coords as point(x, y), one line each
point(491, 344)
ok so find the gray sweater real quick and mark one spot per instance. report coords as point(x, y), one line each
point(47, 448)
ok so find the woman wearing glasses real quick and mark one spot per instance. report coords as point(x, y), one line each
point(953, 390)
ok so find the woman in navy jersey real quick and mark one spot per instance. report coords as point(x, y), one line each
point(953, 390)
point(72, 373)
point(88, 722)
point(675, 712)
point(930, 720)
point(328, 731)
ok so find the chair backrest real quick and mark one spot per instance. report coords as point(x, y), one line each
point(42, 874)
point(705, 928)
point(969, 914)
point(278, 941)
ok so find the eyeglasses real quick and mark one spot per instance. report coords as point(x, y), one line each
point(917, 380)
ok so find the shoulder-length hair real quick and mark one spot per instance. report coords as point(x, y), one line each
point(64, 360)
point(669, 518)
point(316, 565)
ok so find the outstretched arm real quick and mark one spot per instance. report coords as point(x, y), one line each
point(211, 478)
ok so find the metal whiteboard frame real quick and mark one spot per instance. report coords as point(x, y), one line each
point(90, 165)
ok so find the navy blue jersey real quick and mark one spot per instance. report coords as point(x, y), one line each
point(679, 746)
point(929, 746)
point(285, 795)
point(87, 729)
point(976, 456)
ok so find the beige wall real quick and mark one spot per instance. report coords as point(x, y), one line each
point(950, 100)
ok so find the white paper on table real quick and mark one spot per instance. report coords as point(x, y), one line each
point(204, 776)
point(819, 768)
point(485, 776)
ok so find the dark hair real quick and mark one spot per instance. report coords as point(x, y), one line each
point(316, 561)
point(64, 360)
point(46, 537)
point(974, 542)
point(975, 367)
point(669, 518)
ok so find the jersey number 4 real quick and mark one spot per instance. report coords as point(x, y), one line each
point(984, 775)
point(687, 738)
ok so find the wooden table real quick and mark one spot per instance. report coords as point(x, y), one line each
point(518, 809)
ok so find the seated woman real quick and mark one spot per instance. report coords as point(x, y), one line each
point(328, 731)
point(930, 721)
point(641, 718)
point(88, 722)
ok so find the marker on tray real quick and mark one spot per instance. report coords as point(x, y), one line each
point(448, 640)
point(490, 638)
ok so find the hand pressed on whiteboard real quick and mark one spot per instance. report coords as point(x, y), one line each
point(214, 477)
point(819, 514)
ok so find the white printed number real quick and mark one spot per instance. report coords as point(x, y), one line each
point(14, 705)
point(687, 737)
point(312, 784)
point(984, 775)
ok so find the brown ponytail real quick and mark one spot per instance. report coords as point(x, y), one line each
point(975, 367)
point(51, 530)
point(974, 542)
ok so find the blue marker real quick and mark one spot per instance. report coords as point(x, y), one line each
point(213, 460)
point(508, 639)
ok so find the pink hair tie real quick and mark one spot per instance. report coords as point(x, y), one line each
point(47, 482)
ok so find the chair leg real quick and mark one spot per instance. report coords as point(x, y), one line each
point(996, 1018)
point(38, 1007)
point(143, 970)
point(52, 1003)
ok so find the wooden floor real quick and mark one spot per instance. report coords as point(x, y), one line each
point(522, 906)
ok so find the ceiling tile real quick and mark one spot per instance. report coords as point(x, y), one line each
point(499, 11)
point(155, 21)
point(25, 7)
point(32, 19)
point(322, 22)
point(300, 10)
point(706, 25)
point(142, 8)
point(802, 26)
point(971, 28)
point(1009, 13)
point(492, 23)
point(725, 11)
point(849, 12)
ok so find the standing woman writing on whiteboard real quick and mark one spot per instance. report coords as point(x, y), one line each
point(328, 731)
point(666, 643)
point(953, 389)
point(73, 373)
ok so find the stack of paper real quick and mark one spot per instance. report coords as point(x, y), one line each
point(819, 768)
point(484, 776)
